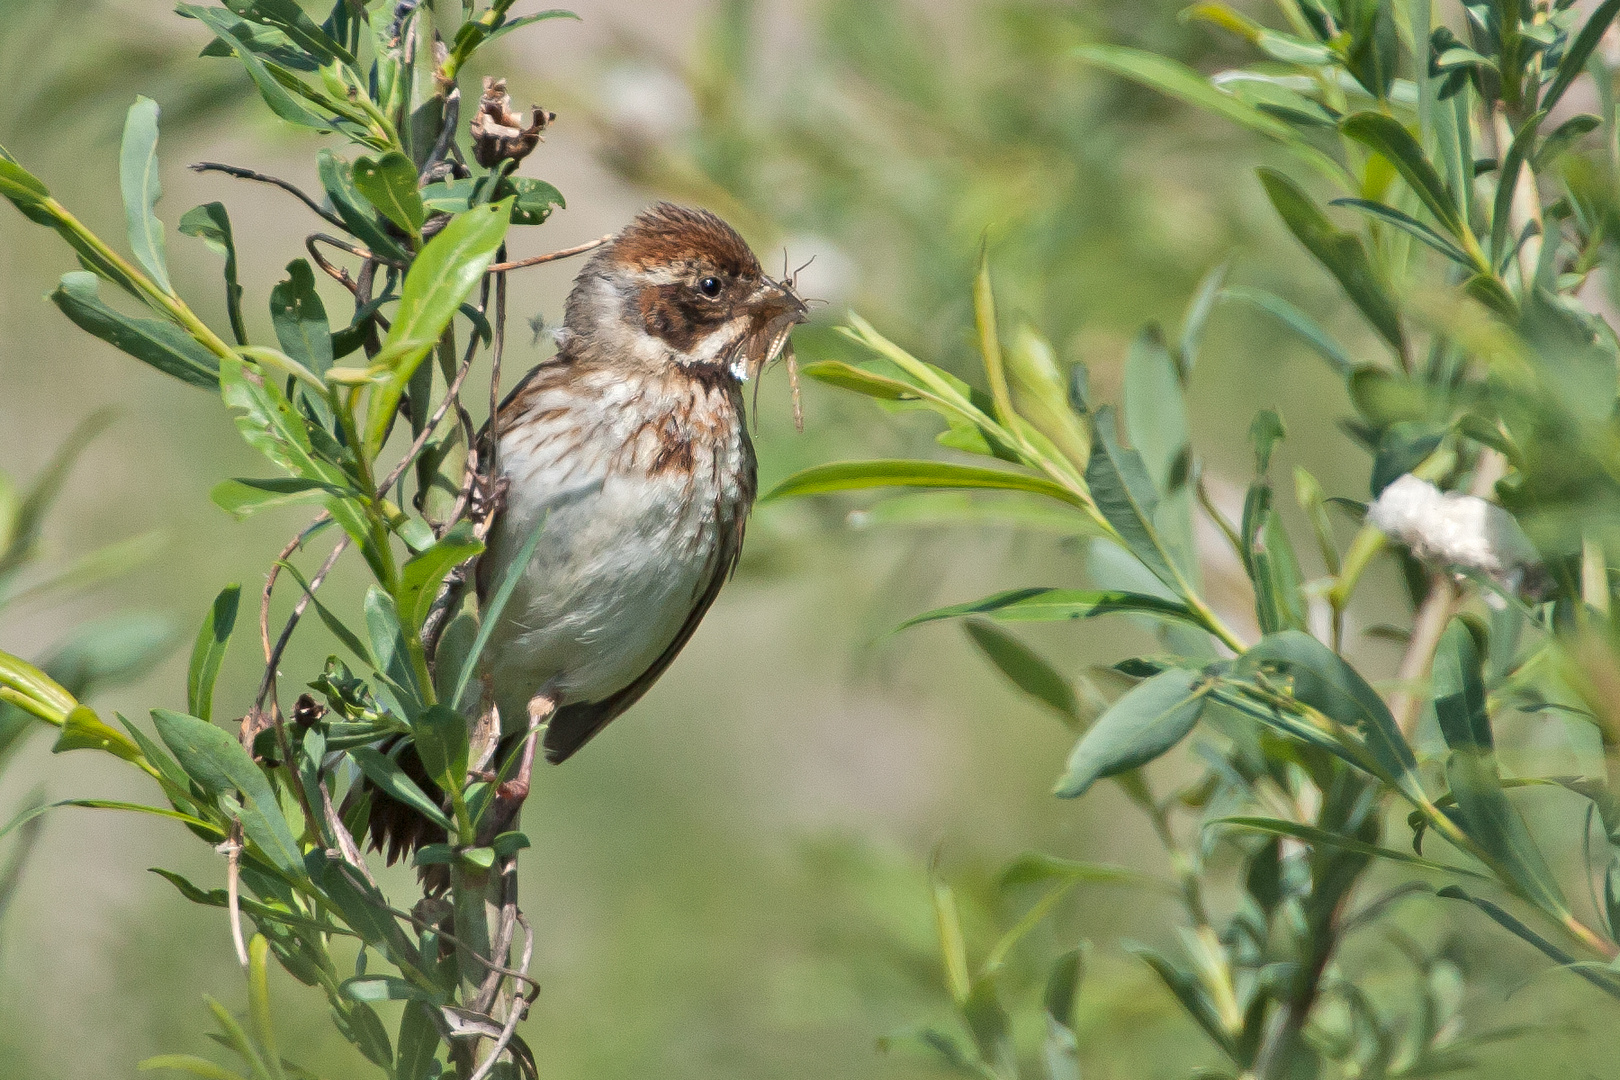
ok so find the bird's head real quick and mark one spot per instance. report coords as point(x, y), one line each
point(680, 286)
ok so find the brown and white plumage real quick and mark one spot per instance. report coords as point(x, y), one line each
point(630, 444)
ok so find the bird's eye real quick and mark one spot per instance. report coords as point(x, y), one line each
point(710, 286)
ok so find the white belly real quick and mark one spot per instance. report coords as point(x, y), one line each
point(622, 559)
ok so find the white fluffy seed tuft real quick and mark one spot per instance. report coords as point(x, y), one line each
point(1463, 531)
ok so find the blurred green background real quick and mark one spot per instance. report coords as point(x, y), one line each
point(732, 881)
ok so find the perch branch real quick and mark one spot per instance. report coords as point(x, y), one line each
point(249, 174)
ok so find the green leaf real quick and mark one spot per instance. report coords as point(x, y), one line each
point(524, 20)
point(491, 613)
point(1308, 494)
point(1324, 682)
point(417, 1044)
point(1310, 834)
point(1179, 81)
point(82, 729)
point(189, 1064)
point(1507, 182)
point(1052, 605)
point(283, 102)
point(287, 17)
point(389, 184)
point(237, 1039)
point(1385, 136)
point(421, 577)
point(388, 641)
point(1142, 725)
point(1155, 414)
point(1579, 52)
point(861, 381)
point(1025, 668)
point(209, 652)
point(212, 225)
point(1127, 499)
point(991, 1027)
point(1063, 986)
point(162, 344)
point(1489, 819)
point(264, 1032)
point(441, 742)
point(1564, 136)
point(1035, 868)
point(439, 280)
point(1188, 991)
point(1411, 225)
point(242, 499)
point(388, 776)
point(138, 177)
point(858, 475)
point(1603, 980)
point(1278, 584)
point(337, 177)
point(219, 765)
point(24, 685)
point(1265, 432)
point(372, 988)
point(1341, 253)
point(1198, 313)
point(110, 804)
point(1299, 322)
point(951, 508)
point(300, 320)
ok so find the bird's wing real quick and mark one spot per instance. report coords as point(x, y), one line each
point(574, 725)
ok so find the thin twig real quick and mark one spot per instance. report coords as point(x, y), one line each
point(485, 998)
point(447, 133)
point(248, 174)
point(336, 273)
point(232, 850)
point(345, 840)
point(520, 1006)
point(433, 421)
point(354, 249)
point(273, 655)
point(536, 260)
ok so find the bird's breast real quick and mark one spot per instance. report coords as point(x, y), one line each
point(637, 492)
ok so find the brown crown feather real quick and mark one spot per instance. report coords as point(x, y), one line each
point(666, 235)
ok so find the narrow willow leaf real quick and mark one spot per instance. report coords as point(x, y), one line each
point(389, 184)
point(1386, 136)
point(1052, 605)
point(1322, 680)
point(138, 178)
point(421, 577)
point(1198, 313)
point(82, 729)
point(337, 177)
point(1141, 726)
point(1310, 834)
point(952, 944)
point(861, 381)
point(1608, 983)
point(1187, 990)
point(209, 652)
point(1299, 322)
point(162, 344)
point(491, 613)
point(1025, 668)
point(1565, 136)
point(283, 102)
point(24, 685)
point(1036, 868)
point(417, 1043)
point(1411, 225)
point(212, 225)
point(287, 17)
point(390, 778)
point(190, 1064)
point(1308, 494)
point(1179, 81)
point(1278, 584)
point(1341, 253)
point(1155, 413)
point(300, 320)
point(1488, 818)
point(441, 742)
point(1506, 183)
point(1579, 52)
point(264, 1032)
point(950, 508)
point(990, 1026)
point(859, 475)
point(110, 804)
point(439, 280)
point(1127, 499)
point(219, 765)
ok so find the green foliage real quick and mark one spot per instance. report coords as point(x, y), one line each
point(294, 871)
point(1487, 341)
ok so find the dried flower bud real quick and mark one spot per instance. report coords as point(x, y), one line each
point(1463, 531)
point(498, 133)
point(307, 712)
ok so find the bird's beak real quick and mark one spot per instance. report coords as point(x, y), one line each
point(779, 304)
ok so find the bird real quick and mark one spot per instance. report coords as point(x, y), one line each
point(628, 451)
